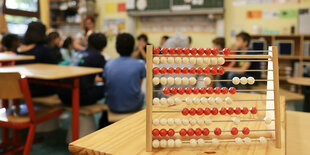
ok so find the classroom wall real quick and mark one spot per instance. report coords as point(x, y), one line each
point(44, 12)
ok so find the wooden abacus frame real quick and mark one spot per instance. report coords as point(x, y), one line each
point(272, 72)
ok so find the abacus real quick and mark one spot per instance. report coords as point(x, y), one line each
point(181, 117)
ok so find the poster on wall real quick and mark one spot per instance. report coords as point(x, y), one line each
point(271, 14)
point(254, 14)
point(112, 27)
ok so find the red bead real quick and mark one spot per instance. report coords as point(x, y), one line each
point(174, 90)
point(230, 110)
point(223, 111)
point(195, 90)
point(177, 70)
point(208, 51)
point(188, 90)
point(213, 70)
point(245, 110)
point(246, 131)
point(232, 90)
point(253, 110)
point(205, 131)
point(170, 70)
point(182, 132)
point(166, 91)
point(198, 132)
point(210, 90)
point(237, 110)
point(163, 132)
point(155, 132)
point(156, 50)
point(203, 90)
point(226, 51)
point(163, 70)
point(207, 111)
point(192, 70)
point(171, 132)
point(217, 131)
point(214, 111)
point(206, 70)
point(192, 111)
point(224, 90)
point(185, 111)
point(186, 51)
point(171, 50)
point(181, 90)
point(234, 131)
point(164, 50)
point(185, 70)
point(190, 132)
point(156, 70)
point(201, 51)
point(215, 51)
point(217, 90)
point(220, 70)
point(199, 70)
point(193, 51)
point(199, 111)
point(179, 51)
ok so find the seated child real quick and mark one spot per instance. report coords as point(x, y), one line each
point(67, 51)
point(10, 43)
point(124, 77)
point(53, 40)
point(90, 93)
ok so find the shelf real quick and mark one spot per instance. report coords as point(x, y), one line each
point(288, 57)
point(65, 23)
point(57, 8)
point(306, 58)
point(171, 13)
point(277, 36)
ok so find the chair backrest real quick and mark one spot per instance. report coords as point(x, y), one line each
point(10, 86)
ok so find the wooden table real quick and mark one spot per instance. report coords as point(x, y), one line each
point(303, 81)
point(128, 136)
point(44, 73)
point(10, 57)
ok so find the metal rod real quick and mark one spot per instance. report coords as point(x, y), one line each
point(241, 90)
point(247, 60)
point(224, 141)
point(181, 111)
point(241, 70)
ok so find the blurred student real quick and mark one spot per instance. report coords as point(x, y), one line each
point(219, 43)
point(54, 41)
point(67, 51)
point(163, 40)
point(80, 41)
point(10, 43)
point(140, 52)
point(90, 92)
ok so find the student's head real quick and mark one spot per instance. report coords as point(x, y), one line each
point(142, 40)
point(242, 40)
point(10, 42)
point(163, 40)
point(125, 43)
point(68, 43)
point(219, 43)
point(35, 34)
point(53, 39)
point(97, 41)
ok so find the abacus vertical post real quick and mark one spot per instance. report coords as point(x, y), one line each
point(149, 97)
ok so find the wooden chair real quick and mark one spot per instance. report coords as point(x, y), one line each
point(13, 86)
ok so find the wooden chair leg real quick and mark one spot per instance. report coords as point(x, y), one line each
point(29, 140)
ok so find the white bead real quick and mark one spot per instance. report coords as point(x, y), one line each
point(218, 100)
point(211, 100)
point(192, 121)
point(220, 60)
point(156, 80)
point(206, 61)
point(192, 81)
point(235, 80)
point(213, 61)
point(185, 121)
point(163, 80)
point(207, 80)
point(262, 140)
point(177, 100)
point(228, 100)
point(243, 80)
point(155, 100)
point(163, 143)
point(177, 121)
point(196, 100)
point(215, 141)
point(170, 101)
point(204, 100)
point(163, 121)
point(155, 143)
point(267, 120)
point(170, 80)
point(178, 60)
point(177, 80)
point(185, 81)
point(200, 142)
point(185, 61)
point(238, 140)
point(200, 121)
point(192, 61)
point(170, 121)
point(156, 60)
point(208, 121)
point(247, 140)
point(163, 60)
point(170, 143)
point(236, 120)
point(170, 60)
point(199, 61)
point(193, 142)
point(163, 101)
point(189, 100)
point(251, 80)
point(178, 143)
point(156, 121)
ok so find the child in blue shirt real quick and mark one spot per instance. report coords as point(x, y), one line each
point(123, 78)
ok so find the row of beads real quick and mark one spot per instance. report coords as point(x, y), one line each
point(196, 90)
point(192, 61)
point(195, 100)
point(214, 111)
point(192, 51)
point(192, 70)
point(179, 81)
point(243, 80)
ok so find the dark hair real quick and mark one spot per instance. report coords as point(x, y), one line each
point(52, 36)
point(8, 40)
point(92, 19)
point(144, 37)
point(165, 37)
point(219, 41)
point(35, 33)
point(67, 42)
point(125, 43)
point(189, 39)
point(97, 41)
point(245, 37)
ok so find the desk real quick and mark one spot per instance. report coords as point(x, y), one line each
point(43, 73)
point(303, 81)
point(128, 137)
point(10, 57)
